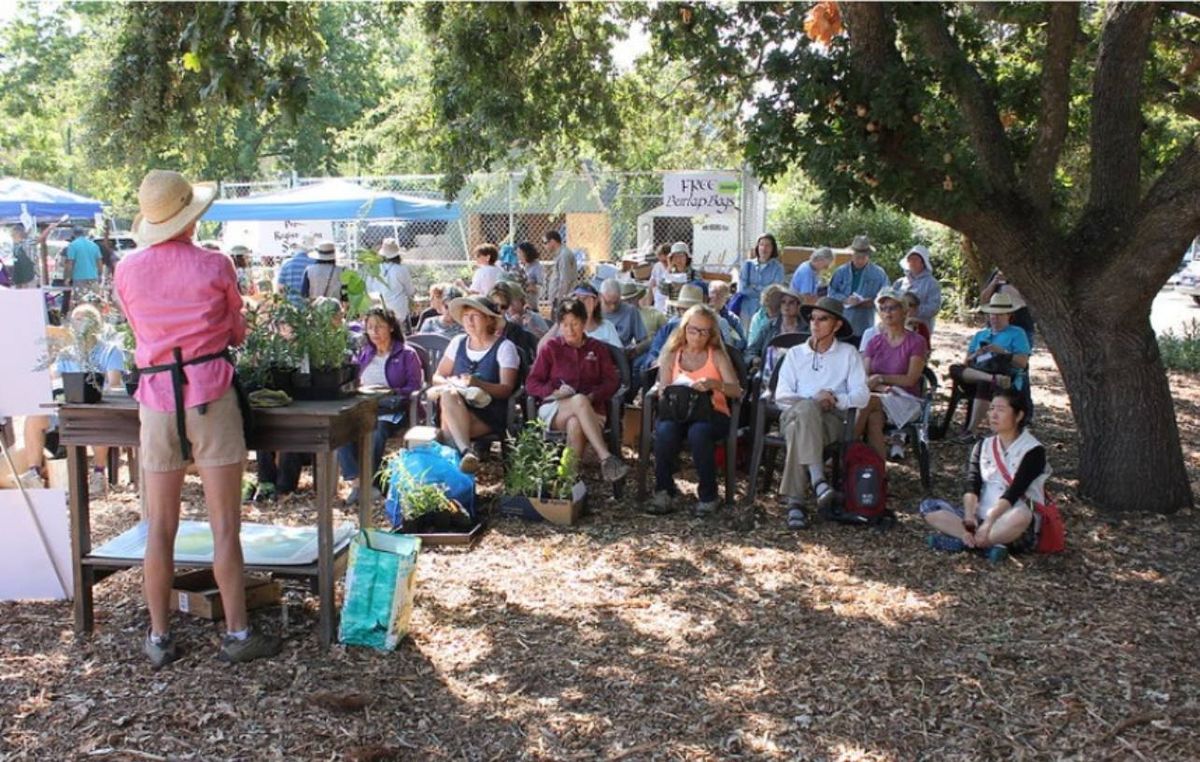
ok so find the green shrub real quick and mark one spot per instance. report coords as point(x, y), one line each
point(801, 222)
point(1181, 352)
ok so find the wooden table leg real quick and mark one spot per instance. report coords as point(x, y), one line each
point(326, 488)
point(81, 537)
point(366, 480)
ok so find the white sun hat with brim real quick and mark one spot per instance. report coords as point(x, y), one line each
point(168, 204)
point(1001, 303)
point(325, 251)
point(478, 303)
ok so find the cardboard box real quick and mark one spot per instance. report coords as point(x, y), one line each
point(196, 593)
point(419, 435)
point(564, 513)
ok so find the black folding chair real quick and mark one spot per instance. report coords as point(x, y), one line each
point(917, 430)
point(616, 409)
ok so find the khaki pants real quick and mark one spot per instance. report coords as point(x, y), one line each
point(807, 430)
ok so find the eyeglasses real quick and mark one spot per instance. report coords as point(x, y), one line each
point(694, 331)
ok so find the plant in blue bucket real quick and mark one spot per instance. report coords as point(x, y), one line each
point(427, 492)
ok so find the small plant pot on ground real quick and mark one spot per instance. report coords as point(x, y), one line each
point(82, 387)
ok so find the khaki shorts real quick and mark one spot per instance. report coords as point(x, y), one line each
point(216, 435)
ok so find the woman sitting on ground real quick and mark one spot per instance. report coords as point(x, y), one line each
point(1006, 477)
point(695, 356)
point(894, 360)
point(385, 363)
point(997, 358)
point(575, 377)
point(478, 373)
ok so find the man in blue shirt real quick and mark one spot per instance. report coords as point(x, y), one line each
point(856, 283)
point(291, 272)
point(83, 261)
point(806, 281)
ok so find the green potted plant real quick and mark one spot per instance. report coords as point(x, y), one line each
point(541, 478)
point(86, 384)
point(268, 357)
point(128, 343)
point(325, 342)
point(423, 507)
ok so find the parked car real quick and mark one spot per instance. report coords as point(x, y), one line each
point(1189, 281)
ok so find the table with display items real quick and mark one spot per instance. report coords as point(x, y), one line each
point(317, 427)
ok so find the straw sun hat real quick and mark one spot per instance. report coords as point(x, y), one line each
point(167, 204)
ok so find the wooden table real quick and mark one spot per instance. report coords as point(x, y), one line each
point(319, 428)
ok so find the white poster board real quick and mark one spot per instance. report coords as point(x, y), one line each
point(25, 570)
point(23, 347)
point(274, 239)
point(702, 192)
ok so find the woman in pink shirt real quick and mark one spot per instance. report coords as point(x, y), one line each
point(183, 304)
point(894, 359)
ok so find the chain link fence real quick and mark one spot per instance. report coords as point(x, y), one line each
point(603, 216)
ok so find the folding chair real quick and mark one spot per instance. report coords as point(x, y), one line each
point(917, 430)
point(616, 409)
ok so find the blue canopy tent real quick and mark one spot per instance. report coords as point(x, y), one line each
point(330, 200)
point(18, 197)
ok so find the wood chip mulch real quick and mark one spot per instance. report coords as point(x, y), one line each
point(637, 638)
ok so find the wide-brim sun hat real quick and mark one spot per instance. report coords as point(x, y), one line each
point(632, 290)
point(477, 303)
point(325, 251)
point(1001, 303)
point(689, 296)
point(389, 249)
point(833, 307)
point(168, 204)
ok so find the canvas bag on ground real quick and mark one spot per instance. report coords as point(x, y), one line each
point(381, 582)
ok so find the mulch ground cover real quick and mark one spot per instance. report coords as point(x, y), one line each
point(632, 637)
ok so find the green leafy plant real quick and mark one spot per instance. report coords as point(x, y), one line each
point(272, 330)
point(418, 499)
point(538, 467)
point(1181, 351)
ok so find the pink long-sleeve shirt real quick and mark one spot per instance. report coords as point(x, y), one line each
point(176, 294)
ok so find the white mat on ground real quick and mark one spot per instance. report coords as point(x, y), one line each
point(262, 544)
point(25, 570)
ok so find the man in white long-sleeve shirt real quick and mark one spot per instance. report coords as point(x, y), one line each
point(817, 378)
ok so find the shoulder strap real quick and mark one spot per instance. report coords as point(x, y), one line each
point(999, 458)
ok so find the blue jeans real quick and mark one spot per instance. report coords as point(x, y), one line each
point(702, 438)
point(348, 454)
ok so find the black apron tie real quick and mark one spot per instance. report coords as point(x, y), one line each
point(179, 378)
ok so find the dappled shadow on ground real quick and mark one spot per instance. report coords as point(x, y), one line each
point(672, 638)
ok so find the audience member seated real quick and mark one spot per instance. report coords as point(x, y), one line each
point(386, 362)
point(694, 356)
point(574, 377)
point(997, 358)
point(817, 378)
point(1006, 477)
point(437, 303)
point(634, 294)
point(689, 296)
point(525, 342)
point(768, 311)
point(597, 327)
point(518, 310)
point(475, 378)
point(788, 321)
point(718, 299)
point(997, 283)
point(625, 317)
point(893, 360)
point(680, 273)
point(444, 323)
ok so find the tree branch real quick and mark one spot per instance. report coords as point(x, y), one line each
point(872, 38)
point(1117, 114)
point(1056, 98)
point(971, 92)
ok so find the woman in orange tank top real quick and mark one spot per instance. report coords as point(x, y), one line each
point(694, 355)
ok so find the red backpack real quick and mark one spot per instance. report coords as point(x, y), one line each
point(864, 487)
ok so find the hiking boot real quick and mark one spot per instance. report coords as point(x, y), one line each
point(997, 554)
point(161, 653)
point(256, 646)
point(265, 492)
point(945, 543)
point(661, 504)
point(613, 469)
point(470, 462)
point(704, 508)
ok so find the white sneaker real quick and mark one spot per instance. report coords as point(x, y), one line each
point(97, 483)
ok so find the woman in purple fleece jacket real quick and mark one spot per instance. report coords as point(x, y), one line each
point(385, 361)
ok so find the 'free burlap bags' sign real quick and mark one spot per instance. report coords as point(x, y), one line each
point(702, 192)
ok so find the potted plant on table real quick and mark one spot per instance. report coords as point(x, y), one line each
point(325, 342)
point(541, 478)
point(268, 358)
point(79, 346)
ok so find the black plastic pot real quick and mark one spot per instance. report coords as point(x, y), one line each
point(280, 379)
point(82, 387)
point(326, 383)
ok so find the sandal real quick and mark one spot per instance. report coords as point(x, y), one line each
point(796, 518)
point(824, 494)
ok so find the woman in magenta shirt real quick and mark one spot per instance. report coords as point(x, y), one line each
point(894, 359)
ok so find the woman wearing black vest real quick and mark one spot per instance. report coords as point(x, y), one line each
point(479, 371)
